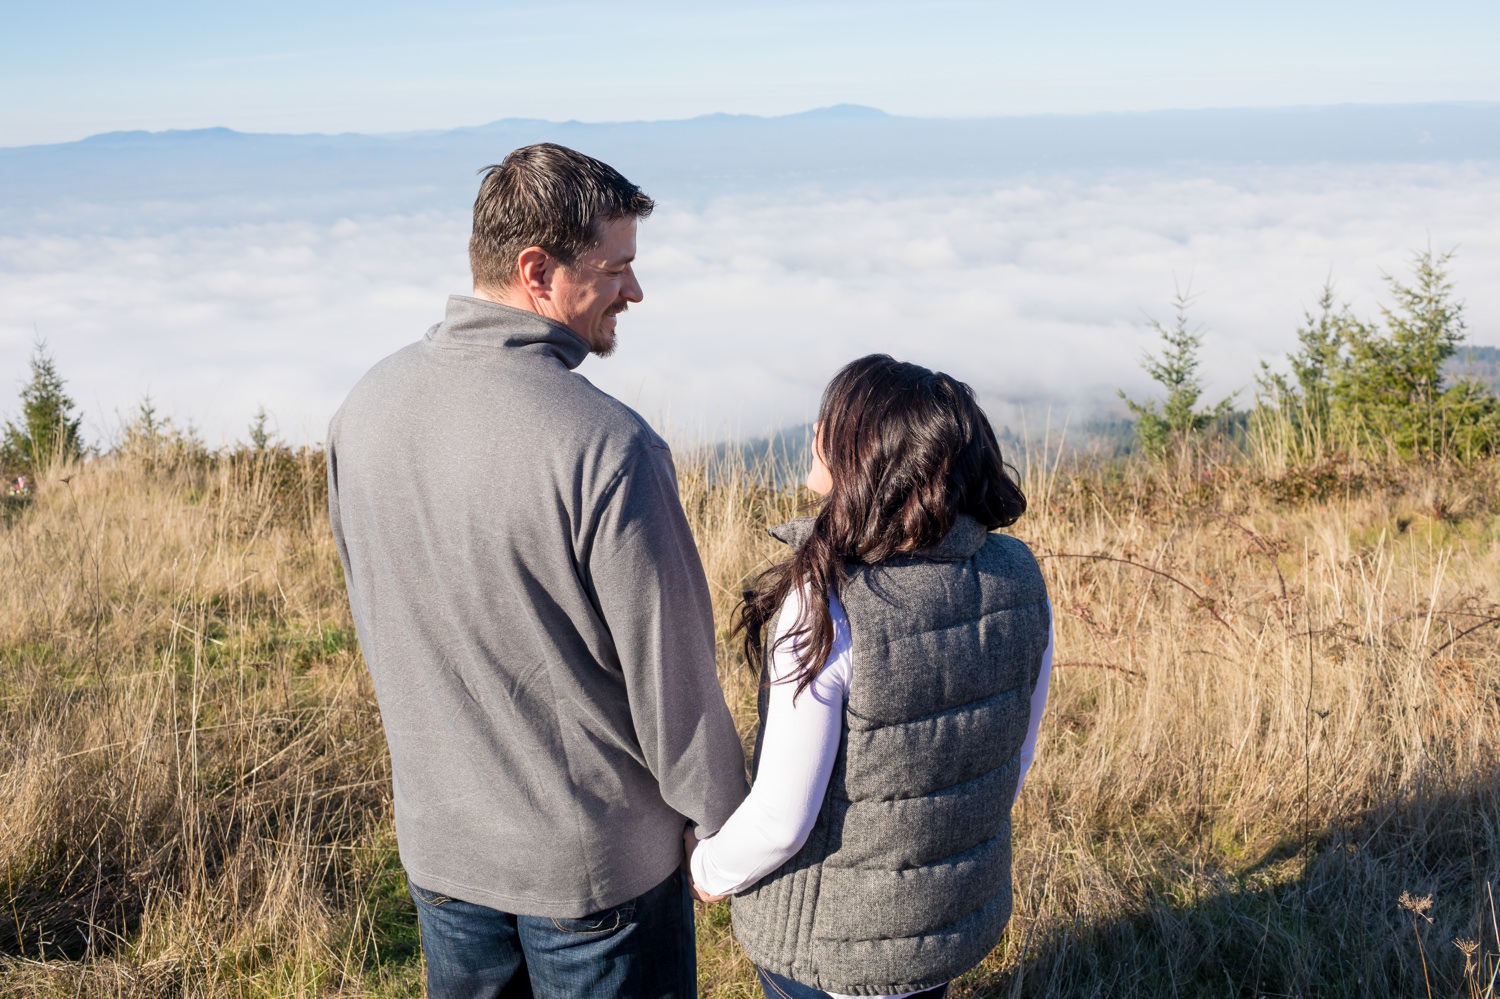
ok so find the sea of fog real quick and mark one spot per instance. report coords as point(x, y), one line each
point(1037, 288)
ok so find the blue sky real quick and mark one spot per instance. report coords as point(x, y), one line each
point(70, 69)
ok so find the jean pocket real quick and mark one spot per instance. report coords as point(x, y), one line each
point(421, 894)
point(603, 921)
point(772, 987)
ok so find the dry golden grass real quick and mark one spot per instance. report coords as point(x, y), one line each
point(1269, 720)
point(193, 777)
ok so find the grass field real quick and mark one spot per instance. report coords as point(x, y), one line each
point(1274, 716)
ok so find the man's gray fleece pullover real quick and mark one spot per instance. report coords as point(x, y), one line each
point(535, 617)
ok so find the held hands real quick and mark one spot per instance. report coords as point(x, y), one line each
point(689, 844)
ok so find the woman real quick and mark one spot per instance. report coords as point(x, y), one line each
point(904, 654)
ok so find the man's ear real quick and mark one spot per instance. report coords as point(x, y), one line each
point(534, 267)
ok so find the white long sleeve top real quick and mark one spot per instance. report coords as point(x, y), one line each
point(797, 753)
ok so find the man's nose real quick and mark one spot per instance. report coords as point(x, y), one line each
point(631, 292)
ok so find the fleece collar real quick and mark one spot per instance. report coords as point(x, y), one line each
point(477, 322)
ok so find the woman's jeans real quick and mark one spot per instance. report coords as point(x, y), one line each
point(779, 987)
point(640, 948)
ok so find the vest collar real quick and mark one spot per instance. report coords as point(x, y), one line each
point(960, 544)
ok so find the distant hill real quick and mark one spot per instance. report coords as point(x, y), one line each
point(1480, 364)
point(782, 458)
point(709, 155)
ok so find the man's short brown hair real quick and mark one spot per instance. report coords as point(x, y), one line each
point(549, 196)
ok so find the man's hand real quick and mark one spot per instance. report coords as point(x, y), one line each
point(689, 844)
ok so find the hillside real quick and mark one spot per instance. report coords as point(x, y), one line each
point(1272, 719)
point(1480, 364)
point(311, 177)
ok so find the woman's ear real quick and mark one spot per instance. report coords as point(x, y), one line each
point(819, 479)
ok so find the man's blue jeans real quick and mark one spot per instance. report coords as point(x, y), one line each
point(640, 948)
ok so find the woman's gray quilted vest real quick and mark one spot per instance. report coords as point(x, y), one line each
point(904, 882)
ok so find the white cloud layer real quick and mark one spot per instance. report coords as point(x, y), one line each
point(1035, 292)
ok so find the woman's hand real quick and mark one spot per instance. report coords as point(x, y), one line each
point(689, 844)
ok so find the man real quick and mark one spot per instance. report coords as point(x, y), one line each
point(533, 612)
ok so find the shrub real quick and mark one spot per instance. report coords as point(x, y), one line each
point(1382, 386)
point(49, 429)
point(1176, 370)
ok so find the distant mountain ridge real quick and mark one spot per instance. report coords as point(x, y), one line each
point(1479, 364)
point(712, 154)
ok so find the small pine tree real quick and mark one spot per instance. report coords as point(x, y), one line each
point(1320, 341)
point(260, 437)
point(1361, 384)
point(143, 433)
point(1391, 383)
point(49, 429)
point(1176, 370)
point(1392, 378)
point(158, 442)
point(1303, 407)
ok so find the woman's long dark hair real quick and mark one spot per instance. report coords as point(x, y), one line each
point(908, 450)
